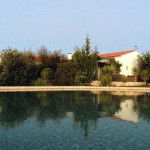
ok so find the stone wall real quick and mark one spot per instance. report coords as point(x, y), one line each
point(128, 84)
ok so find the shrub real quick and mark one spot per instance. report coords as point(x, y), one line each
point(145, 76)
point(124, 78)
point(107, 70)
point(47, 74)
point(65, 74)
point(106, 79)
point(40, 82)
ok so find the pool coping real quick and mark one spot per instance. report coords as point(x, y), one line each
point(71, 88)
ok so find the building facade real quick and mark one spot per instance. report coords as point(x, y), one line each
point(127, 58)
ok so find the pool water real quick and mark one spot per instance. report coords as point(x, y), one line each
point(74, 121)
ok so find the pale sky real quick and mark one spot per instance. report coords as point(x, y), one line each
point(112, 25)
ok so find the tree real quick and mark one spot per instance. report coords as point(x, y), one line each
point(145, 76)
point(115, 65)
point(54, 59)
point(106, 75)
point(135, 72)
point(124, 78)
point(47, 75)
point(14, 68)
point(144, 63)
point(43, 55)
point(66, 73)
point(85, 60)
point(106, 80)
point(50, 59)
point(107, 70)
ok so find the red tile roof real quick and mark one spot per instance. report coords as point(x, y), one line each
point(115, 54)
point(36, 58)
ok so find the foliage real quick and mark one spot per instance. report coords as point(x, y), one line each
point(54, 59)
point(46, 77)
point(66, 73)
point(15, 68)
point(43, 55)
point(40, 82)
point(80, 79)
point(144, 75)
point(107, 70)
point(47, 74)
point(85, 60)
point(106, 75)
point(106, 79)
point(48, 59)
point(135, 72)
point(124, 78)
point(115, 65)
point(144, 63)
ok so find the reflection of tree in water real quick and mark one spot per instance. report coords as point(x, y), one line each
point(143, 106)
point(108, 104)
point(53, 105)
point(85, 110)
point(86, 107)
point(16, 107)
point(89, 107)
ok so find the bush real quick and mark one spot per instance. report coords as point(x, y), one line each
point(145, 76)
point(124, 78)
point(15, 68)
point(40, 82)
point(106, 79)
point(107, 70)
point(65, 74)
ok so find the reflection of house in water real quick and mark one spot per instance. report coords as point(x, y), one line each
point(127, 112)
point(127, 93)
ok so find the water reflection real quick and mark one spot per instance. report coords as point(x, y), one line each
point(127, 112)
point(85, 108)
point(16, 108)
point(142, 106)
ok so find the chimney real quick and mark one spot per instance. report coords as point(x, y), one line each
point(69, 56)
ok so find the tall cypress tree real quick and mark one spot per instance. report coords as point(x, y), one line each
point(85, 60)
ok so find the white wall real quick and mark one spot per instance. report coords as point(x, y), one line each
point(128, 61)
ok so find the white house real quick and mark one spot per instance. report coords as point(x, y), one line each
point(127, 58)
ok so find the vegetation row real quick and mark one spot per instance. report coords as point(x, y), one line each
point(19, 68)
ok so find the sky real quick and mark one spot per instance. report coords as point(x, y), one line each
point(112, 25)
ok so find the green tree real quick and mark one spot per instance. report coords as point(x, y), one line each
point(145, 76)
point(66, 73)
point(124, 78)
point(47, 74)
point(135, 72)
point(106, 75)
point(43, 55)
point(49, 59)
point(54, 59)
point(85, 60)
point(115, 65)
point(106, 80)
point(107, 70)
point(14, 68)
point(144, 63)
